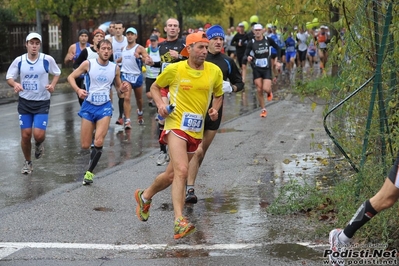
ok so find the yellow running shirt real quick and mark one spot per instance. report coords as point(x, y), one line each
point(190, 91)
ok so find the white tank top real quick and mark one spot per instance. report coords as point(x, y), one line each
point(34, 76)
point(153, 72)
point(117, 47)
point(98, 81)
point(130, 64)
point(91, 54)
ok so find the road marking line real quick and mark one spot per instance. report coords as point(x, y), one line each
point(126, 247)
point(7, 251)
point(61, 103)
point(7, 248)
point(51, 105)
point(310, 245)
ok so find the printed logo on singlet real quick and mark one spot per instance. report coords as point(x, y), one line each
point(262, 50)
point(31, 76)
point(101, 78)
point(167, 58)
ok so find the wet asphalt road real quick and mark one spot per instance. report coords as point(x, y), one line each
point(64, 161)
point(48, 218)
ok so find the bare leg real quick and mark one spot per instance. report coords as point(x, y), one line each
point(138, 94)
point(161, 182)
point(127, 108)
point(259, 92)
point(386, 197)
point(243, 72)
point(26, 145)
point(199, 155)
point(86, 133)
point(266, 85)
point(179, 159)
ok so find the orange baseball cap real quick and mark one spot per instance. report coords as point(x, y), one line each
point(192, 38)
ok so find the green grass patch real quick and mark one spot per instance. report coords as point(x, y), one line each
point(65, 72)
point(321, 87)
point(333, 207)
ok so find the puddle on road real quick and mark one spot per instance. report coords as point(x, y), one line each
point(287, 252)
point(228, 130)
point(293, 251)
point(313, 167)
point(103, 209)
point(237, 216)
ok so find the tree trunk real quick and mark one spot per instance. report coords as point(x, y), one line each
point(179, 15)
point(231, 22)
point(334, 33)
point(66, 38)
point(141, 39)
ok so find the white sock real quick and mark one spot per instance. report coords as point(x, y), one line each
point(144, 199)
point(343, 238)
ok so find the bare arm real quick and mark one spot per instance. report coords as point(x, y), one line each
point(83, 68)
point(120, 86)
point(71, 53)
point(216, 104)
point(144, 55)
point(156, 95)
point(51, 87)
point(16, 85)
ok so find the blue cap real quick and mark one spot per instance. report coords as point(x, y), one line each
point(132, 30)
point(215, 31)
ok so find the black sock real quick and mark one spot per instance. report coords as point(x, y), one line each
point(95, 155)
point(161, 146)
point(362, 216)
point(120, 105)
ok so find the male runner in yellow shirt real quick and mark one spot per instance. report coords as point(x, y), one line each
point(191, 84)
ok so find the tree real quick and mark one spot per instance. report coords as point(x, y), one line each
point(181, 8)
point(6, 16)
point(65, 11)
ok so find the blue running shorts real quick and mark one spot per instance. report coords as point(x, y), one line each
point(93, 113)
point(37, 120)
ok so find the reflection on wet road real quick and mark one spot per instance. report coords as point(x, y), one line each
point(233, 225)
point(64, 161)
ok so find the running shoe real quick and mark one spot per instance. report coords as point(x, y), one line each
point(190, 196)
point(143, 208)
point(336, 246)
point(119, 121)
point(88, 178)
point(28, 168)
point(263, 113)
point(128, 124)
point(270, 96)
point(140, 119)
point(39, 150)
point(163, 158)
point(183, 228)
